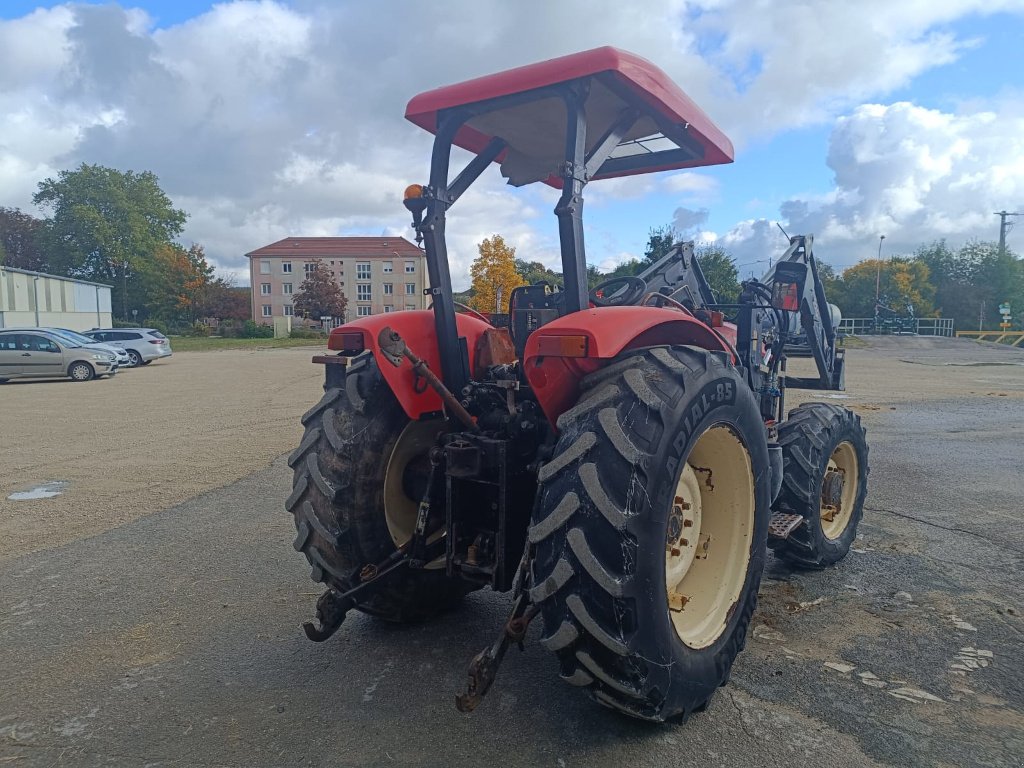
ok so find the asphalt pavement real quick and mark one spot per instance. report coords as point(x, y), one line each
point(175, 640)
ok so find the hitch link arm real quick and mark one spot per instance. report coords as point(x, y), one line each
point(484, 666)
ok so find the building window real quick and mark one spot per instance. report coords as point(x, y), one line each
point(332, 262)
point(286, 267)
point(389, 267)
point(363, 292)
point(410, 289)
point(309, 266)
point(388, 308)
point(264, 289)
point(286, 288)
point(289, 310)
point(267, 309)
point(363, 312)
point(410, 267)
point(264, 267)
point(389, 289)
point(410, 306)
point(363, 270)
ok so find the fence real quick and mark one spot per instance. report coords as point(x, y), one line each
point(1013, 338)
point(922, 326)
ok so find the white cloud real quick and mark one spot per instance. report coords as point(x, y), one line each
point(263, 119)
point(911, 174)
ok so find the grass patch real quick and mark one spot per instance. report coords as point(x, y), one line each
point(853, 342)
point(214, 343)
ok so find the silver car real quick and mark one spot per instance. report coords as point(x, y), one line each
point(34, 353)
point(143, 345)
point(124, 360)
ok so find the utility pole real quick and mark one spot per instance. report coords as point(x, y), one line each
point(878, 271)
point(1004, 227)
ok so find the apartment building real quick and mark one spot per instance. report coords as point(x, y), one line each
point(376, 274)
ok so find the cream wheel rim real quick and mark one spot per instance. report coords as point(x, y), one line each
point(400, 510)
point(842, 468)
point(708, 536)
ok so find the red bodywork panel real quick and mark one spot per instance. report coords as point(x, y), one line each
point(636, 80)
point(609, 331)
point(416, 327)
point(554, 380)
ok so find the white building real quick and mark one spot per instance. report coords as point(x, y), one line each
point(30, 299)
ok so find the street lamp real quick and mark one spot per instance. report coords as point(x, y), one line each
point(878, 271)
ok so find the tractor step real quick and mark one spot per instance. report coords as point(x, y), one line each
point(782, 525)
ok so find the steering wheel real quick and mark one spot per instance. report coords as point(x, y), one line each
point(618, 292)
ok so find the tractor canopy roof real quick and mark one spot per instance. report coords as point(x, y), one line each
point(524, 107)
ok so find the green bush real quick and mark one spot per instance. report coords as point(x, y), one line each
point(253, 330)
point(230, 329)
point(197, 329)
point(156, 325)
point(306, 333)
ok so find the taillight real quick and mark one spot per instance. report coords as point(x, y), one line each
point(156, 341)
point(562, 346)
point(346, 341)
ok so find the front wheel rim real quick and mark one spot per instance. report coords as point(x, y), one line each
point(80, 373)
point(836, 509)
point(708, 536)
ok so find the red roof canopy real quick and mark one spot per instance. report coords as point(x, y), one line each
point(535, 130)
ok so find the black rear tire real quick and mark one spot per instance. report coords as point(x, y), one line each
point(809, 438)
point(337, 496)
point(599, 528)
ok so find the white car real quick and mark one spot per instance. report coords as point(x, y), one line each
point(143, 345)
point(122, 358)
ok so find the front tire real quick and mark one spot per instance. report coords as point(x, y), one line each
point(135, 358)
point(340, 483)
point(824, 480)
point(81, 372)
point(650, 529)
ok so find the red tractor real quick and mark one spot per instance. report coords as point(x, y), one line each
point(618, 459)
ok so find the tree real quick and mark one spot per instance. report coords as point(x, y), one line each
point(494, 275)
point(176, 281)
point(973, 281)
point(901, 280)
point(659, 242)
point(720, 270)
point(320, 295)
point(105, 224)
point(20, 242)
point(226, 302)
point(534, 272)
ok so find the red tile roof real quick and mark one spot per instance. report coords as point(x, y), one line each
point(338, 247)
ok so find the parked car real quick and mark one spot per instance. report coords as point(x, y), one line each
point(35, 353)
point(123, 358)
point(143, 345)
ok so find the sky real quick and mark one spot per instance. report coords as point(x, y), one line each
point(265, 119)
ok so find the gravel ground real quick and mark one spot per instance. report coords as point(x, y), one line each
point(144, 440)
point(132, 636)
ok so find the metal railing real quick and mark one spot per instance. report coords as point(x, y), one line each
point(1013, 338)
point(921, 326)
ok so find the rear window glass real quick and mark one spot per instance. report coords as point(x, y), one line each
point(157, 335)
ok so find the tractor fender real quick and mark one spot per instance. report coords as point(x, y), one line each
point(609, 331)
point(416, 327)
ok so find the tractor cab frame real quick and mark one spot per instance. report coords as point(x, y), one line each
point(619, 116)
